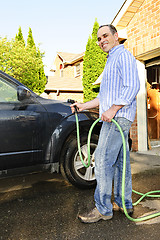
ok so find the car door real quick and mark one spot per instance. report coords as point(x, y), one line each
point(21, 128)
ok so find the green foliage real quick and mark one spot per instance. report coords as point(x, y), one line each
point(30, 40)
point(93, 65)
point(19, 36)
point(23, 62)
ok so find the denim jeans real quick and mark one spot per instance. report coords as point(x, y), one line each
point(109, 167)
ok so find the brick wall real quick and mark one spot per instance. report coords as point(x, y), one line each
point(134, 135)
point(143, 32)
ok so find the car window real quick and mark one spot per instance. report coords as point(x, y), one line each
point(8, 92)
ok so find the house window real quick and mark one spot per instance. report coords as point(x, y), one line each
point(77, 70)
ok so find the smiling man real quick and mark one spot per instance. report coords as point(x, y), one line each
point(116, 99)
point(107, 37)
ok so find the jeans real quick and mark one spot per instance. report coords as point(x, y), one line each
point(109, 167)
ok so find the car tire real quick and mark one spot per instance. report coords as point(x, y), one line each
point(71, 166)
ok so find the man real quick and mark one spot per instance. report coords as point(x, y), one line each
point(116, 99)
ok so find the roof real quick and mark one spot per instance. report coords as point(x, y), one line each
point(122, 20)
point(126, 13)
point(70, 58)
point(64, 84)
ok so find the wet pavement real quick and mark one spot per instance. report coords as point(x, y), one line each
point(43, 206)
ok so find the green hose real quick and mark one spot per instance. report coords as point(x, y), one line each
point(149, 194)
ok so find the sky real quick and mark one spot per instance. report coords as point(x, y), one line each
point(57, 25)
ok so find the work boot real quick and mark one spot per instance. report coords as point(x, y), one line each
point(93, 216)
point(117, 208)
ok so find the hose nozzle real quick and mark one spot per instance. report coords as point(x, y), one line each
point(72, 101)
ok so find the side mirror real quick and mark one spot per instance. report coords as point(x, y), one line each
point(23, 93)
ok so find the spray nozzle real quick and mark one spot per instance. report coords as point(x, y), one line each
point(72, 101)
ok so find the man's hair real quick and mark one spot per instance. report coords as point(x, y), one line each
point(111, 27)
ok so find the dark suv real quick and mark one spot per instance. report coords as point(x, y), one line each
point(39, 134)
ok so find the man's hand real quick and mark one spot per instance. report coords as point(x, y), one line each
point(79, 106)
point(108, 115)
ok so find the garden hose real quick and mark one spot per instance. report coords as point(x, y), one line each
point(149, 194)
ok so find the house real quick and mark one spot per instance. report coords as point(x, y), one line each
point(66, 82)
point(138, 24)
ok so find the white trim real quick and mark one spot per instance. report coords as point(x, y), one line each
point(153, 63)
point(142, 109)
point(76, 59)
point(149, 55)
point(61, 73)
point(122, 33)
point(121, 12)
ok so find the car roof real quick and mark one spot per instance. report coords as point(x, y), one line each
point(10, 78)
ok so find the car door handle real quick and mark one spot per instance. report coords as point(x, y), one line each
point(21, 118)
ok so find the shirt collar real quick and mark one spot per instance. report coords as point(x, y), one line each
point(115, 50)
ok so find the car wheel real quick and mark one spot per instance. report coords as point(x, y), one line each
point(71, 165)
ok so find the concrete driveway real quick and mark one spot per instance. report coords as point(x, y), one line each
point(44, 207)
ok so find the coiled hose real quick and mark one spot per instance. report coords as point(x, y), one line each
point(148, 194)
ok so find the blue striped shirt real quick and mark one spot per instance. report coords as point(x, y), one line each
point(120, 83)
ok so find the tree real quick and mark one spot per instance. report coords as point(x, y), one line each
point(39, 67)
point(23, 62)
point(19, 36)
point(42, 77)
point(5, 48)
point(30, 40)
point(93, 65)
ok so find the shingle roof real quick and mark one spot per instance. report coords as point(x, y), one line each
point(70, 57)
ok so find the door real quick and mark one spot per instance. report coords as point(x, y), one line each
point(21, 129)
point(153, 101)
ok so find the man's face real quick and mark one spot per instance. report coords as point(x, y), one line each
point(106, 40)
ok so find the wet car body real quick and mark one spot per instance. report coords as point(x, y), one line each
point(36, 134)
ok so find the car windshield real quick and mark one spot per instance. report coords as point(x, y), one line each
point(8, 91)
